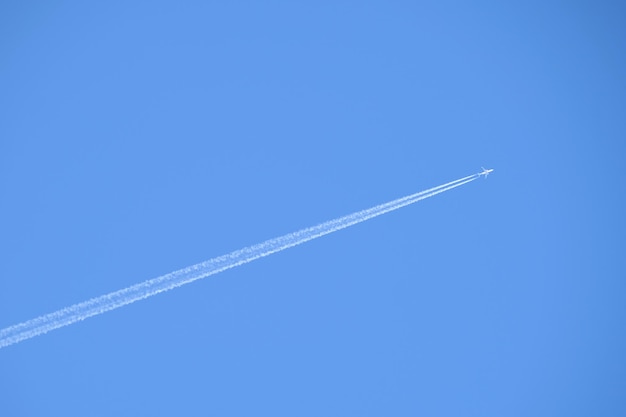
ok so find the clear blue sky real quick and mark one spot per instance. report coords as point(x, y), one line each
point(137, 138)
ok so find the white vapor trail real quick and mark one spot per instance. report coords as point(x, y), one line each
point(116, 299)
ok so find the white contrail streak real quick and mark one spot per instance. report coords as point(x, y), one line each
point(113, 300)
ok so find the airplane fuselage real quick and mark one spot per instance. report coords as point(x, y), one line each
point(485, 172)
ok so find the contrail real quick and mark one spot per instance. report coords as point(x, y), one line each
point(116, 299)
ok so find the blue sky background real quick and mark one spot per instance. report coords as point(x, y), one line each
point(137, 138)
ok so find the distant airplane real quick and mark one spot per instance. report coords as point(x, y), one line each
point(485, 172)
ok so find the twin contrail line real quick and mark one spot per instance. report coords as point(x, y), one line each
point(116, 299)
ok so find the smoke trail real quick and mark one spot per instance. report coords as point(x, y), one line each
point(113, 300)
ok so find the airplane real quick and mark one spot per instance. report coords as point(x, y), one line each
point(485, 172)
